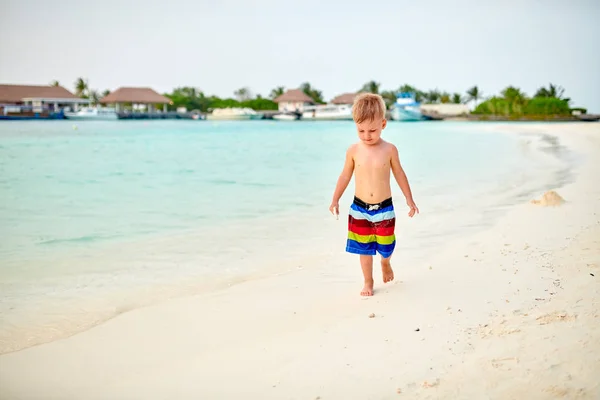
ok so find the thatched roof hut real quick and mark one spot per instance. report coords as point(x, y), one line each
point(294, 96)
point(135, 95)
point(346, 98)
point(294, 100)
point(19, 94)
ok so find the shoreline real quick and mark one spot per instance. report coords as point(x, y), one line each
point(475, 305)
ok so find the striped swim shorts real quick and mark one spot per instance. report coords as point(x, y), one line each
point(371, 228)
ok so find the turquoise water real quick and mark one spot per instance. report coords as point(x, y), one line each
point(92, 209)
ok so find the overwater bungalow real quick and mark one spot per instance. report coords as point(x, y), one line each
point(36, 102)
point(138, 99)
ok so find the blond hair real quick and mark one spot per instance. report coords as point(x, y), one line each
point(368, 106)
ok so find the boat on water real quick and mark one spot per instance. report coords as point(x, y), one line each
point(328, 112)
point(93, 114)
point(287, 116)
point(234, 114)
point(589, 117)
point(406, 108)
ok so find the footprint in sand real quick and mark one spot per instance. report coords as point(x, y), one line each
point(555, 316)
point(428, 384)
point(557, 392)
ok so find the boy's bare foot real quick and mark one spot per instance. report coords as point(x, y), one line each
point(387, 271)
point(368, 289)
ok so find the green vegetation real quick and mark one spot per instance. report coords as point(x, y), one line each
point(514, 104)
point(193, 99)
point(313, 93)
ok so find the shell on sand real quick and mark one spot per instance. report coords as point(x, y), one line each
point(550, 198)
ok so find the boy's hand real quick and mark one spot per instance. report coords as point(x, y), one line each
point(334, 208)
point(413, 208)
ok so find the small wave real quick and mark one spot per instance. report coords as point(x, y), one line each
point(186, 171)
point(232, 182)
point(257, 184)
point(222, 182)
point(80, 239)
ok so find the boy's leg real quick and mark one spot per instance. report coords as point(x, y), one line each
point(386, 269)
point(386, 241)
point(366, 263)
point(362, 241)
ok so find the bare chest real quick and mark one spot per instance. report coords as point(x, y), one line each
point(372, 162)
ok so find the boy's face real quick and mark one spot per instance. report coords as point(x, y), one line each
point(369, 131)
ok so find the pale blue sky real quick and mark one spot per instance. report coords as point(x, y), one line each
point(337, 45)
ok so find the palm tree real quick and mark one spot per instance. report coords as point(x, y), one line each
point(371, 87)
point(243, 94)
point(515, 99)
point(278, 91)
point(314, 94)
point(81, 87)
point(389, 97)
point(552, 91)
point(433, 96)
point(94, 97)
point(54, 83)
point(474, 95)
point(419, 95)
point(457, 98)
point(407, 89)
point(105, 93)
point(512, 93)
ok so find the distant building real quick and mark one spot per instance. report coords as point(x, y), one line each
point(346, 98)
point(53, 98)
point(146, 97)
point(293, 100)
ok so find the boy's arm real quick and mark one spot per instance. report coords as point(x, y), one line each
point(402, 181)
point(343, 180)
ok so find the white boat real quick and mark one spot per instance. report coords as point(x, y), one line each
point(93, 114)
point(234, 114)
point(328, 112)
point(286, 117)
point(406, 108)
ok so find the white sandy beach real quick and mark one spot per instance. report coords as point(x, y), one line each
point(509, 313)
